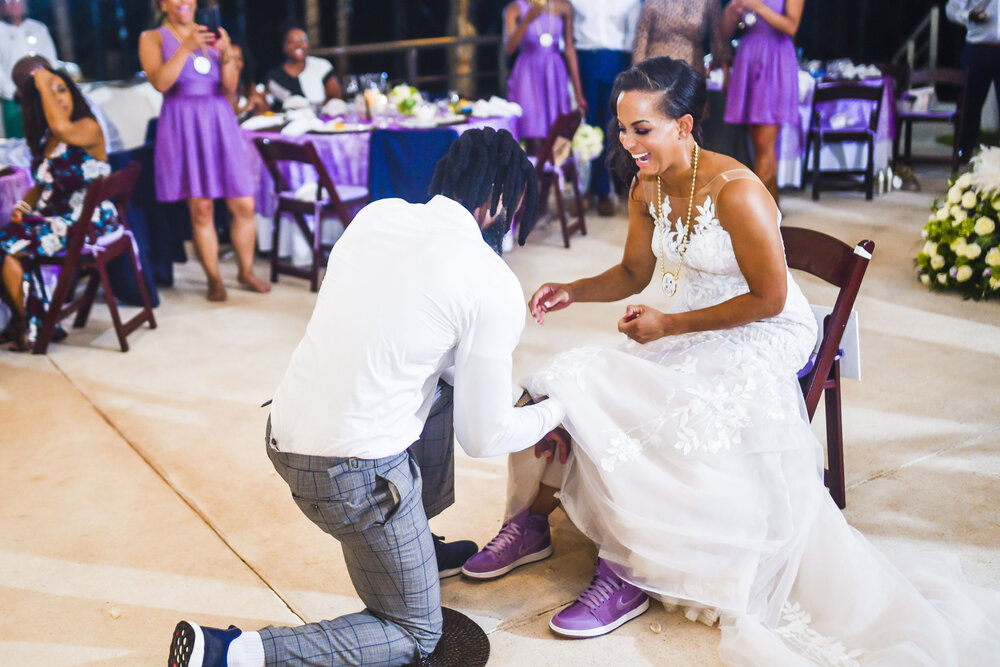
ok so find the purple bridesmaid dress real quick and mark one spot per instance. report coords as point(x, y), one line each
point(538, 80)
point(200, 151)
point(764, 79)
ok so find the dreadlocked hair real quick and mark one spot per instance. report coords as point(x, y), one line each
point(489, 164)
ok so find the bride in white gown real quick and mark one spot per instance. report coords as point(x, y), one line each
point(694, 468)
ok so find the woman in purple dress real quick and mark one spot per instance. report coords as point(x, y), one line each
point(538, 80)
point(764, 80)
point(200, 153)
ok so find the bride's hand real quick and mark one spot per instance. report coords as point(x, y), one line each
point(549, 297)
point(643, 324)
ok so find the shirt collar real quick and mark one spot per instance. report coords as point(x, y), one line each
point(457, 215)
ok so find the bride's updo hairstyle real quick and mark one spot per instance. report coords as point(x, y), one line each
point(681, 90)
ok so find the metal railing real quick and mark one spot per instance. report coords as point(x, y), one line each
point(412, 48)
point(923, 40)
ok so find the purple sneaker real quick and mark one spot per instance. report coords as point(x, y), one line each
point(524, 538)
point(608, 603)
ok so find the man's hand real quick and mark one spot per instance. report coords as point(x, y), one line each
point(555, 443)
point(977, 16)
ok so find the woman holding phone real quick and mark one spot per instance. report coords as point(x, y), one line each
point(200, 155)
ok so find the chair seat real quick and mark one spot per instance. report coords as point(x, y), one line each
point(943, 115)
point(346, 193)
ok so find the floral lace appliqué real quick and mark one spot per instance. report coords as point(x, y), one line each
point(565, 366)
point(827, 651)
point(622, 448)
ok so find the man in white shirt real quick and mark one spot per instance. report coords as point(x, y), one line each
point(980, 59)
point(411, 291)
point(603, 31)
point(20, 36)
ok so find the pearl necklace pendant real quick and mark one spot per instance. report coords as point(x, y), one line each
point(545, 39)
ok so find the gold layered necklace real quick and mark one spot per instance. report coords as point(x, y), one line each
point(669, 281)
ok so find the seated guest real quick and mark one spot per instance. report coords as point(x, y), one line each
point(22, 72)
point(20, 36)
point(68, 152)
point(246, 99)
point(365, 382)
point(302, 74)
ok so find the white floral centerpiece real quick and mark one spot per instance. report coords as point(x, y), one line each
point(406, 98)
point(588, 142)
point(961, 250)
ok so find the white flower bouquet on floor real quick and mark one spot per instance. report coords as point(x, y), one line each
point(588, 142)
point(961, 238)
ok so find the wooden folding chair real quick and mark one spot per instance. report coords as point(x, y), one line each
point(819, 134)
point(340, 200)
point(553, 158)
point(841, 265)
point(83, 260)
point(934, 76)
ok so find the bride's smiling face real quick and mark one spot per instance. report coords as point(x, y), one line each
point(655, 142)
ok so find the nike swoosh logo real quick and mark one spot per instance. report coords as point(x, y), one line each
point(625, 605)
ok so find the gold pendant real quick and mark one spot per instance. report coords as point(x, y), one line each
point(669, 284)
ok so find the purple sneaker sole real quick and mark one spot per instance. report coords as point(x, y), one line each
point(602, 629)
point(500, 571)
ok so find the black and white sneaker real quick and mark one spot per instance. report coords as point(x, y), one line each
point(451, 556)
point(195, 646)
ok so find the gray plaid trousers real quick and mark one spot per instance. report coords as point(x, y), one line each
point(373, 508)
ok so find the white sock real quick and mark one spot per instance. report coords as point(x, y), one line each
point(247, 650)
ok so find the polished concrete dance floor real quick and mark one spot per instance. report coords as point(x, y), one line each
point(135, 490)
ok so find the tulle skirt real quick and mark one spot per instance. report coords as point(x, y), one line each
point(697, 475)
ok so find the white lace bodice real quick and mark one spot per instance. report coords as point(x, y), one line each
point(711, 274)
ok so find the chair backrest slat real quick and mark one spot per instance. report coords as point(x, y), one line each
point(841, 265)
point(275, 151)
point(565, 127)
point(826, 93)
point(116, 188)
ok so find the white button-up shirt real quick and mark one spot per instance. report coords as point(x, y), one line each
point(18, 41)
point(410, 290)
point(976, 33)
point(605, 24)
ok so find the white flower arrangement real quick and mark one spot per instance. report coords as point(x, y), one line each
point(961, 250)
point(406, 98)
point(588, 142)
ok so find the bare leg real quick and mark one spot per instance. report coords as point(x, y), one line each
point(13, 284)
point(545, 502)
point(243, 234)
point(13, 295)
point(206, 242)
point(765, 158)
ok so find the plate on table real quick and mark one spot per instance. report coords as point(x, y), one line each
point(264, 123)
point(418, 124)
point(342, 128)
point(452, 119)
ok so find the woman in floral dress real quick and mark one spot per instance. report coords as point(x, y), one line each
point(68, 153)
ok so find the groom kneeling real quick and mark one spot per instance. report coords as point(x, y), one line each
point(411, 290)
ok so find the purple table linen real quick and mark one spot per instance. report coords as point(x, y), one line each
point(346, 156)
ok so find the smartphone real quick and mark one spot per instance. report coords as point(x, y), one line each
point(208, 17)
